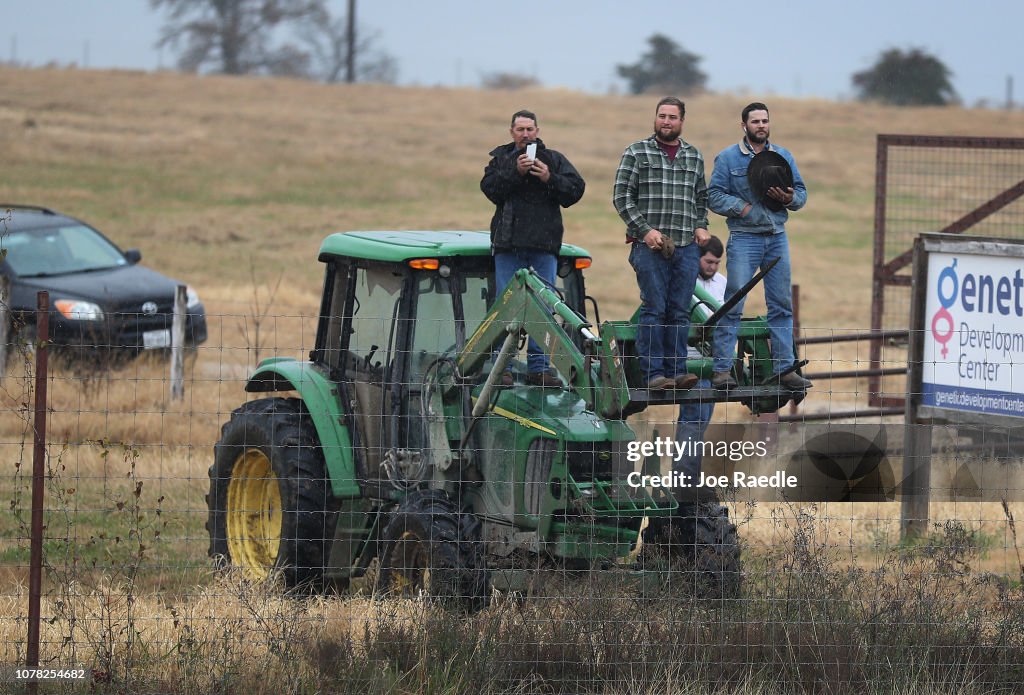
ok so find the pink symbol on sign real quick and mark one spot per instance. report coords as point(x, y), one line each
point(946, 300)
point(942, 338)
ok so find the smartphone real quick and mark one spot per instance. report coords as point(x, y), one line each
point(531, 150)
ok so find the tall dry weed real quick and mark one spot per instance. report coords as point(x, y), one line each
point(922, 621)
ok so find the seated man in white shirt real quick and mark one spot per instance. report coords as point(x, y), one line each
point(694, 417)
point(708, 276)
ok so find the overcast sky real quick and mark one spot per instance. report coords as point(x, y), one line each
point(803, 48)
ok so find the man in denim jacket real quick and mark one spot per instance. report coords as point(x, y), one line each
point(757, 235)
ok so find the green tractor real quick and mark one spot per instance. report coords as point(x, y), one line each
point(403, 446)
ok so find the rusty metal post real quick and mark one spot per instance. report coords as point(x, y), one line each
point(5, 321)
point(878, 266)
point(795, 291)
point(35, 569)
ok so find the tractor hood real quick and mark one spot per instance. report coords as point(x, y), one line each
point(558, 414)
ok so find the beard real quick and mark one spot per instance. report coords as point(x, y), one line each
point(757, 138)
point(668, 134)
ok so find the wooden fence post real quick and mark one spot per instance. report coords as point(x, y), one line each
point(178, 345)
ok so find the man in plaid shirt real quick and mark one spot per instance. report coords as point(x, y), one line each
point(662, 196)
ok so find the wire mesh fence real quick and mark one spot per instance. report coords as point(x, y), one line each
point(225, 541)
point(928, 184)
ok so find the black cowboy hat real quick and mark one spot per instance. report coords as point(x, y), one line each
point(768, 169)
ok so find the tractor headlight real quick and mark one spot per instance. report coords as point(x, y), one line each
point(79, 310)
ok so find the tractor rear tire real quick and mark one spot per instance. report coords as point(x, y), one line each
point(430, 547)
point(270, 506)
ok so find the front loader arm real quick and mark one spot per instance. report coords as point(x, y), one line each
point(528, 306)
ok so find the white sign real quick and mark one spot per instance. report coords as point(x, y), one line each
point(974, 334)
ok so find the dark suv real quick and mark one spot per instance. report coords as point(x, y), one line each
point(102, 303)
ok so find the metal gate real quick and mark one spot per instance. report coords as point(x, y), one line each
point(927, 183)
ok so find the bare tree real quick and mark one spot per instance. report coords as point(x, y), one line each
point(235, 37)
point(328, 39)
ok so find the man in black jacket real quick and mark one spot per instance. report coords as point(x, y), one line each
point(528, 184)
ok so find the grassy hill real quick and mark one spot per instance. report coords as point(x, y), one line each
point(212, 175)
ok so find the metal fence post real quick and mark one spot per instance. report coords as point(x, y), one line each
point(795, 292)
point(38, 472)
point(5, 319)
point(178, 345)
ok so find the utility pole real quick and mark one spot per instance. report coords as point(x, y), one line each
point(350, 61)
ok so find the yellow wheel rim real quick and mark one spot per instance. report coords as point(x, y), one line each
point(254, 514)
point(411, 563)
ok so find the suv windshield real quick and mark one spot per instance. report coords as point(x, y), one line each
point(59, 250)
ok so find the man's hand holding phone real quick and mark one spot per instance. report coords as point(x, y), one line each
point(526, 160)
point(527, 163)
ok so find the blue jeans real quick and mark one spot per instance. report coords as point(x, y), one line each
point(746, 253)
point(666, 287)
point(693, 422)
point(506, 263)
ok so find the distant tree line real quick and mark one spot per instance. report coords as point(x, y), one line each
point(289, 38)
point(901, 78)
point(302, 38)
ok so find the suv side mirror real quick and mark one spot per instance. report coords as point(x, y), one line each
point(133, 256)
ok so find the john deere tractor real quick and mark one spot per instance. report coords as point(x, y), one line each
point(399, 442)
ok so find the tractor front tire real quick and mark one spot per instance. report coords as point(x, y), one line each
point(701, 548)
point(270, 506)
point(430, 547)
point(716, 553)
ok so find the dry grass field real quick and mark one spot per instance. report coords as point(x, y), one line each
point(230, 184)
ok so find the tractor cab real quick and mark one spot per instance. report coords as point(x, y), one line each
point(394, 304)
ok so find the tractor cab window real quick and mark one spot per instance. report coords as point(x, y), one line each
point(439, 301)
point(467, 293)
point(569, 281)
point(374, 312)
point(332, 315)
point(476, 299)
